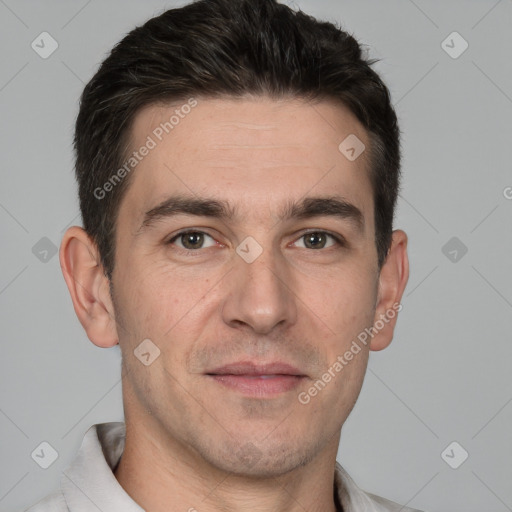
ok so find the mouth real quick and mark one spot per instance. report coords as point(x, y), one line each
point(263, 380)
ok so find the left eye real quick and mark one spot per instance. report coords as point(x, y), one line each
point(191, 240)
point(318, 240)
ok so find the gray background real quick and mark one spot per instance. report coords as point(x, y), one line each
point(446, 376)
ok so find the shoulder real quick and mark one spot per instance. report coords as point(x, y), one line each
point(52, 503)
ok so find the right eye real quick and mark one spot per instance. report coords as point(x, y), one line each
point(191, 240)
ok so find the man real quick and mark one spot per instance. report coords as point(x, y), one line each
point(238, 168)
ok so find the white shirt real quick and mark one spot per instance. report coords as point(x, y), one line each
point(89, 483)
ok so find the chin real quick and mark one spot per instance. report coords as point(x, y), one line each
point(260, 461)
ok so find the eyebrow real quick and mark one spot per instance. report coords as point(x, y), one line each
point(332, 206)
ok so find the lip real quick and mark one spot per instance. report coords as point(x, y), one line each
point(251, 368)
point(258, 380)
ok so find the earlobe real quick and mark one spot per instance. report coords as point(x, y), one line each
point(88, 286)
point(392, 282)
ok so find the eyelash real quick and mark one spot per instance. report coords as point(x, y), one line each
point(340, 241)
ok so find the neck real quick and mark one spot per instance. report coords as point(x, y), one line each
point(162, 475)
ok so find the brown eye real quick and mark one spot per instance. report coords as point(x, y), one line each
point(191, 240)
point(315, 240)
point(319, 240)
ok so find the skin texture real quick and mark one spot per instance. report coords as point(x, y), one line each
point(192, 442)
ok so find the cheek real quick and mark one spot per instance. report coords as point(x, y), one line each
point(159, 302)
point(345, 302)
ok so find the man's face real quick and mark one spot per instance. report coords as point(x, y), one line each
point(210, 299)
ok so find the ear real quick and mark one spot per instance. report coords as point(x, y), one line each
point(88, 286)
point(392, 281)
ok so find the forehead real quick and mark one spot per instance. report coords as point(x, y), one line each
point(258, 151)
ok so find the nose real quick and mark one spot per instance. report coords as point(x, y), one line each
point(260, 295)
